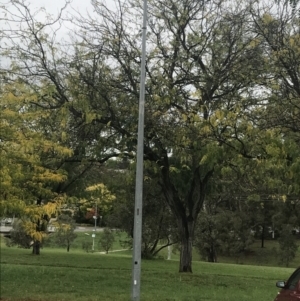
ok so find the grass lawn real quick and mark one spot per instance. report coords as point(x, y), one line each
point(58, 275)
point(87, 237)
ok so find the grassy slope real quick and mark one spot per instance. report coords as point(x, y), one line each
point(57, 275)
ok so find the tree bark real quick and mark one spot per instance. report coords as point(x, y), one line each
point(186, 229)
point(185, 210)
point(36, 247)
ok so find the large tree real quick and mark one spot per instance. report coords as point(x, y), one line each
point(204, 66)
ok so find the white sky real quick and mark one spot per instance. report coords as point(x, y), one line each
point(52, 7)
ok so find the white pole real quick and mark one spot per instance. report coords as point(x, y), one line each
point(169, 249)
point(95, 218)
point(137, 235)
point(94, 234)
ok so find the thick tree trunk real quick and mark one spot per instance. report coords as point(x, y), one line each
point(36, 248)
point(185, 210)
point(186, 229)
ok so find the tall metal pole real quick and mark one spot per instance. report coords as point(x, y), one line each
point(137, 235)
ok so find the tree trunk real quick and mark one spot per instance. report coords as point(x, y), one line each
point(263, 236)
point(68, 248)
point(185, 210)
point(212, 256)
point(36, 247)
point(186, 229)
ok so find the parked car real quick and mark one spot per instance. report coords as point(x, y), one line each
point(290, 290)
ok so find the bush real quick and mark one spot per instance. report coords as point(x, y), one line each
point(207, 237)
point(287, 245)
point(107, 239)
point(64, 234)
point(87, 246)
point(18, 236)
point(226, 233)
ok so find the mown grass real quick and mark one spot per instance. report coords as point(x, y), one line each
point(61, 276)
point(87, 237)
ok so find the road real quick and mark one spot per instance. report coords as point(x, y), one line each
point(6, 229)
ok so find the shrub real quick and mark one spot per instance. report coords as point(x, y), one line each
point(107, 239)
point(87, 246)
point(64, 234)
point(287, 245)
point(18, 236)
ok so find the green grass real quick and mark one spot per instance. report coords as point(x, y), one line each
point(82, 237)
point(61, 276)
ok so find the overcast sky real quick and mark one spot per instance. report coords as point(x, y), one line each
point(53, 8)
